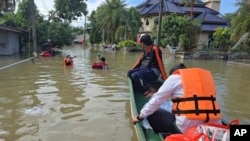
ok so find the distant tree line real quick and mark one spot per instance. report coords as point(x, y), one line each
point(113, 21)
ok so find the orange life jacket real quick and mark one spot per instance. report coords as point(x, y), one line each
point(199, 99)
point(159, 60)
point(67, 64)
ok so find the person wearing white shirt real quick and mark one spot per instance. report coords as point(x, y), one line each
point(181, 117)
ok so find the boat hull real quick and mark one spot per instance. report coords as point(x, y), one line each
point(137, 100)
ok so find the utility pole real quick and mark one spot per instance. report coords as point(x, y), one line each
point(84, 38)
point(159, 23)
point(85, 29)
point(33, 26)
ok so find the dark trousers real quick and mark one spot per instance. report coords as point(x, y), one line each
point(163, 121)
point(142, 77)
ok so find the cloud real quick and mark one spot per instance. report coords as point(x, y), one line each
point(93, 4)
point(46, 5)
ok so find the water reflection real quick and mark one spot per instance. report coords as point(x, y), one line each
point(45, 101)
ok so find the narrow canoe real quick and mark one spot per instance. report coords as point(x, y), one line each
point(137, 100)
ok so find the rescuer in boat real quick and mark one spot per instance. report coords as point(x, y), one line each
point(48, 47)
point(149, 68)
point(193, 94)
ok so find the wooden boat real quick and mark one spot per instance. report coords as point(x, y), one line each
point(137, 100)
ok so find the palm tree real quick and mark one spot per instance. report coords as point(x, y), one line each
point(241, 22)
point(116, 21)
point(130, 23)
point(108, 15)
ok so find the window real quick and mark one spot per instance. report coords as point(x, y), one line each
point(147, 21)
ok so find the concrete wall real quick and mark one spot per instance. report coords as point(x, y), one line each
point(149, 27)
point(203, 40)
point(213, 4)
point(9, 42)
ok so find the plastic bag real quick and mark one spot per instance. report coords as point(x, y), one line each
point(204, 132)
point(190, 135)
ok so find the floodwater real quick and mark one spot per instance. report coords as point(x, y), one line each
point(47, 102)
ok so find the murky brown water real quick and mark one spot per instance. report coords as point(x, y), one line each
point(47, 102)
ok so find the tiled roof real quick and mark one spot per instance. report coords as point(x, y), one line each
point(211, 27)
point(153, 8)
point(173, 6)
point(210, 18)
point(199, 10)
point(181, 2)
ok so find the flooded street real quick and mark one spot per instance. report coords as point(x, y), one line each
point(46, 101)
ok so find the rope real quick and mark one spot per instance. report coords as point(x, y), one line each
point(31, 58)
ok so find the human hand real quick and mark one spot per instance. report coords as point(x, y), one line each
point(148, 94)
point(135, 120)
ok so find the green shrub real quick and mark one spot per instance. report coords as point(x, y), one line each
point(128, 43)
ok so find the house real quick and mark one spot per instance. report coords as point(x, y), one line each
point(207, 11)
point(79, 39)
point(9, 40)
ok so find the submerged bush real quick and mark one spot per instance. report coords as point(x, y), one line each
point(128, 43)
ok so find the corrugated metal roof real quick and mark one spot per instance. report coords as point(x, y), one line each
point(12, 29)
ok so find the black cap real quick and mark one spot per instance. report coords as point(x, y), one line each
point(176, 67)
point(146, 39)
point(103, 59)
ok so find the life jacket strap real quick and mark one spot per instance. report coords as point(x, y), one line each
point(197, 111)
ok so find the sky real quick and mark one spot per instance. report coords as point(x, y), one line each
point(227, 6)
